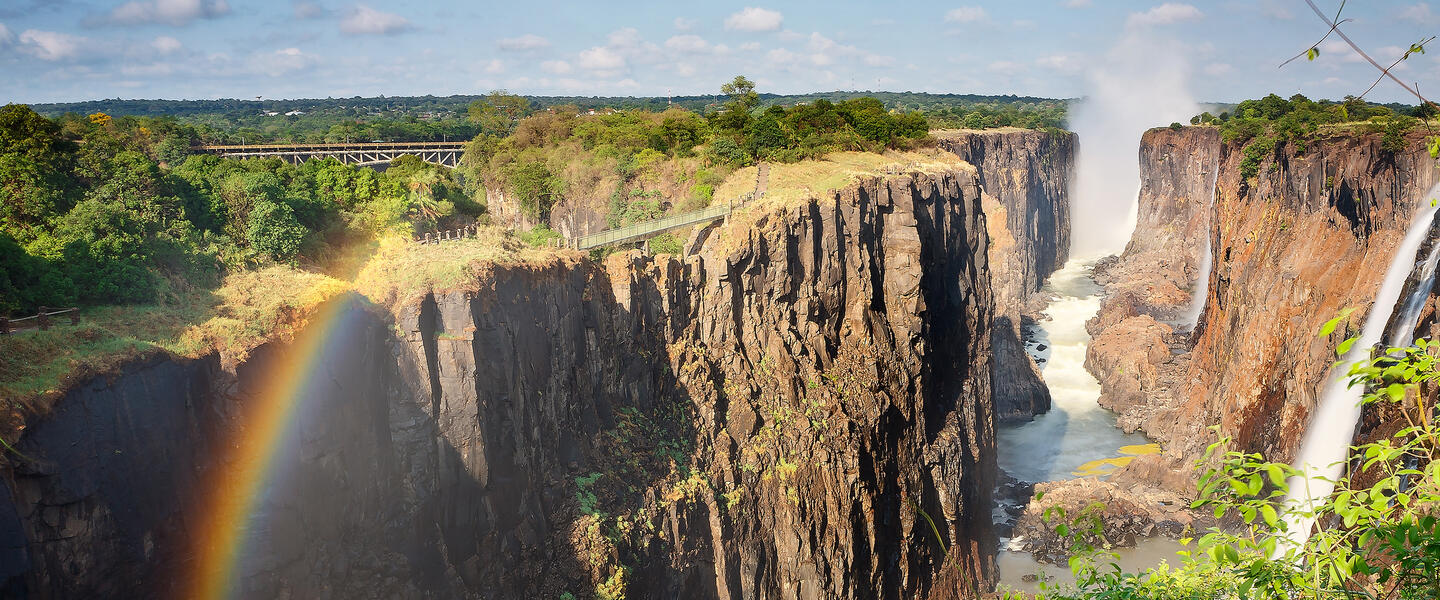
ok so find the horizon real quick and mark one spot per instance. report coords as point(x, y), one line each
point(78, 51)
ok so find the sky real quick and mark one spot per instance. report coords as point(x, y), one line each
point(1225, 50)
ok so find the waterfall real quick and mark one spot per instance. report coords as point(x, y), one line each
point(1404, 332)
point(1327, 439)
point(1202, 283)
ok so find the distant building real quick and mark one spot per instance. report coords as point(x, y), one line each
point(294, 113)
point(271, 113)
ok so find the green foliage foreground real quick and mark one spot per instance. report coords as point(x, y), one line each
point(1378, 536)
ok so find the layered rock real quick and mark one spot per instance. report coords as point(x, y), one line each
point(1024, 178)
point(1137, 354)
point(782, 415)
point(1311, 234)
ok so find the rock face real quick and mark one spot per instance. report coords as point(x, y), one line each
point(1311, 234)
point(1136, 353)
point(781, 415)
point(1024, 178)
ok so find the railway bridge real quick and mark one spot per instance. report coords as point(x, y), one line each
point(371, 154)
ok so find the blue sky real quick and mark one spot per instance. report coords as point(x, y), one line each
point(62, 50)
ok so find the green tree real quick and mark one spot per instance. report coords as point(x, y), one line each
point(35, 166)
point(273, 231)
point(533, 187)
point(499, 112)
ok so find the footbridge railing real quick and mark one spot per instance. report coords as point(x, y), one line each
point(639, 231)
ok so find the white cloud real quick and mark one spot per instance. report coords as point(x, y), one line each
point(365, 20)
point(781, 56)
point(170, 12)
point(876, 60)
point(1077, 3)
point(750, 46)
point(304, 9)
point(754, 19)
point(558, 67)
point(966, 14)
point(1337, 50)
point(688, 43)
point(494, 66)
point(601, 58)
point(684, 24)
point(626, 37)
point(1217, 69)
point(1418, 13)
point(1165, 14)
point(1022, 24)
point(528, 41)
point(50, 45)
point(5, 36)
point(283, 62)
point(1006, 67)
point(165, 44)
point(1063, 63)
point(1275, 9)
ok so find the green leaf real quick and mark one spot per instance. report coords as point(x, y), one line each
point(1396, 391)
point(1312, 53)
point(1344, 347)
point(1267, 512)
point(1329, 326)
point(1276, 473)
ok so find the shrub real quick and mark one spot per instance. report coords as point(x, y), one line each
point(666, 243)
point(540, 236)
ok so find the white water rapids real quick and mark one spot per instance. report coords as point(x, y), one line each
point(1076, 430)
point(1327, 439)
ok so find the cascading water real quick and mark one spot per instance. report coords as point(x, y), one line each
point(1327, 439)
point(1404, 332)
point(1202, 283)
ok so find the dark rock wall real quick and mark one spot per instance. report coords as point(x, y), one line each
point(1025, 177)
point(771, 418)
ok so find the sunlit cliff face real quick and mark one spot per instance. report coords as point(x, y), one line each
point(1141, 83)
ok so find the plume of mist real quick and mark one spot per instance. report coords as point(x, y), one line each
point(1139, 84)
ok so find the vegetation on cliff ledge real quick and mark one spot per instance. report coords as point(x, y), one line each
point(1264, 126)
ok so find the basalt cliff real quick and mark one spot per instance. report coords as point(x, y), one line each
point(801, 407)
point(1024, 181)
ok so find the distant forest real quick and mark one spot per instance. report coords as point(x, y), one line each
point(427, 118)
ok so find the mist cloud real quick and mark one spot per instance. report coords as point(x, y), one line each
point(1139, 84)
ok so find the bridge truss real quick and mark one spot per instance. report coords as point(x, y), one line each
point(440, 153)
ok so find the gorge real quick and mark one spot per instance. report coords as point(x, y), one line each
point(814, 400)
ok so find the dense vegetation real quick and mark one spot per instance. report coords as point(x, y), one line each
point(636, 164)
point(430, 118)
point(104, 211)
point(1264, 126)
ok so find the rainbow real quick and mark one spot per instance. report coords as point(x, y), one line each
point(248, 460)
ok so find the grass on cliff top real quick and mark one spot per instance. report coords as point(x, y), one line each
point(402, 271)
point(245, 311)
point(794, 183)
point(943, 133)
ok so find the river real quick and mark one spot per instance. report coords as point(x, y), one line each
point(1076, 438)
